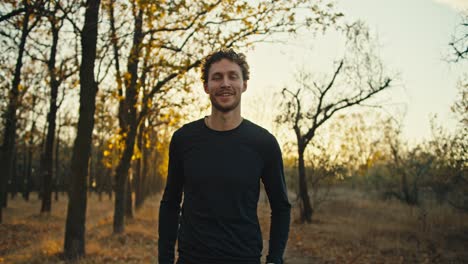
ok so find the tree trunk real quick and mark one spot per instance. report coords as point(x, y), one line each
point(128, 199)
point(138, 170)
point(109, 184)
point(28, 178)
point(51, 120)
point(146, 185)
point(306, 208)
point(8, 146)
point(41, 171)
point(74, 246)
point(128, 124)
point(58, 181)
point(121, 176)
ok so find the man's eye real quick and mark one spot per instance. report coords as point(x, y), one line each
point(216, 77)
point(234, 76)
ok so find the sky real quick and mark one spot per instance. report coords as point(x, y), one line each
point(413, 37)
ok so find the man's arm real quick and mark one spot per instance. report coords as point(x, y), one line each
point(170, 206)
point(275, 187)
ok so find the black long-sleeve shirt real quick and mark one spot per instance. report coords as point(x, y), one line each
point(219, 174)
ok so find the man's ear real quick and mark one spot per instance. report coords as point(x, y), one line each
point(245, 86)
point(205, 87)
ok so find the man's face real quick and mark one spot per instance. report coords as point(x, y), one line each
point(225, 85)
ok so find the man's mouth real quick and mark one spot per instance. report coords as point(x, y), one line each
point(224, 94)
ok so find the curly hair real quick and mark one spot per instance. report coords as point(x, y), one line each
point(230, 54)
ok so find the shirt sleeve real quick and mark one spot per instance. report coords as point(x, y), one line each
point(170, 205)
point(275, 187)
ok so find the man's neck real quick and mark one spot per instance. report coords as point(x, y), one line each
point(223, 121)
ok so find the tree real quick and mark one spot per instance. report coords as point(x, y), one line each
point(28, 21)
point(456, 186)
point(57, 74)
point(30, 154)
point(29, 128)
point(409, 167)
point(358, 77)
point(449, 178)
point(170, 39)
point(74, 246)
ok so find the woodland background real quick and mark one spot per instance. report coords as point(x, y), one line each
point(91, 92)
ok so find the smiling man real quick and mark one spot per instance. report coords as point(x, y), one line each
point(217, 163)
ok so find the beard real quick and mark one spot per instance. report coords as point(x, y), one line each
point(224, 108)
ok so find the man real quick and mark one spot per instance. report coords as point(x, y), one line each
point(217, 163)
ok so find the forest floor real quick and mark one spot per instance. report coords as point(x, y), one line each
point(349, 228)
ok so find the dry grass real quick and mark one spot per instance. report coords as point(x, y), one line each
point(350, 228)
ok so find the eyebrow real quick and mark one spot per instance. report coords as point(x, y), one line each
point(229, 72)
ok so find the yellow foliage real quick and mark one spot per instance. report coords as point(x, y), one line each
point(107, 164)
point(127, 76)
point(247, 23)
point(150, 103)
point(136, 153)
point(377, 156)
point(75, 83)
point(114, 147)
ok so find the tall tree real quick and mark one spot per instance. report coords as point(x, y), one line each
point(74, 246)
point(8, 147)
point(56, 76)
point(127, 115)
point(357, 77)
point(140, 168)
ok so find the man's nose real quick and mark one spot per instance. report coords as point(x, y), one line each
point(225, 82)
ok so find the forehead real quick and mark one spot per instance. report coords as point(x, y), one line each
point(224, 66)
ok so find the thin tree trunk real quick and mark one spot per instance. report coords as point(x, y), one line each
point(58, 177)
point(138, 170)
point(74, 246)
point(109, 184)
point(51, 120)
point(8, 146)
point(28, 178)
point(306, 210)
point(121, 179)
point(128, 124)
point(40, 192)
point(146, 185)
